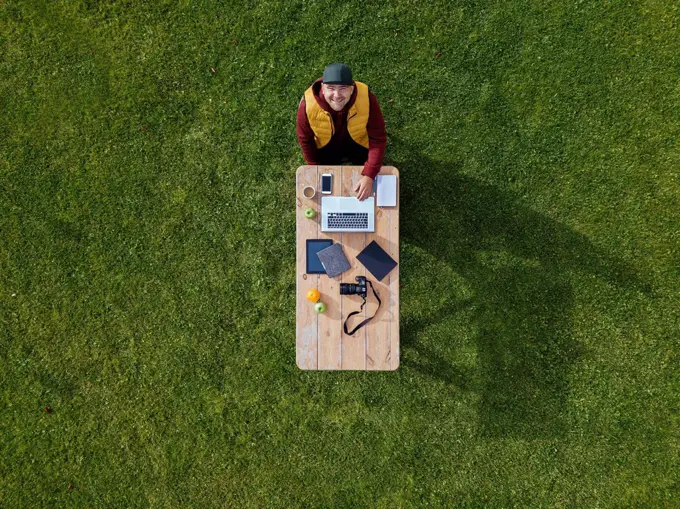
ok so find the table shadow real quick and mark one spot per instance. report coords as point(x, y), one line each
point(518, 265)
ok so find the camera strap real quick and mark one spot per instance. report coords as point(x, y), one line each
point(360, 310)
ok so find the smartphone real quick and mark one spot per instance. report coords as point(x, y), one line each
point(326, 183)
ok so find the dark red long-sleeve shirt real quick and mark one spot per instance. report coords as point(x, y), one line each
point(342, 145)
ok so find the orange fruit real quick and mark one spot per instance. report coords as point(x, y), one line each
point(313, 295)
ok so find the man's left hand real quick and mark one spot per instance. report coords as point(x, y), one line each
point(364, 188)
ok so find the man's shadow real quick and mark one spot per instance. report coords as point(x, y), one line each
point(517, 267)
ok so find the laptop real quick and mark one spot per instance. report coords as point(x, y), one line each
point(347, 214)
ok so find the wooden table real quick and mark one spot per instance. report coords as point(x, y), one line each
point(321, 343)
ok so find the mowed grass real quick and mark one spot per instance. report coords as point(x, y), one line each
point(147, 254)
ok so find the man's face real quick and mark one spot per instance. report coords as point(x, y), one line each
point(337, 96)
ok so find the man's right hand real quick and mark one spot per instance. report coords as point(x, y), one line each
point(364, 188)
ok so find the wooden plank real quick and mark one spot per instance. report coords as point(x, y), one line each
point(330, 324)
point(379, 345)
point(353, 347)
point(306, 351)
point(393, 285)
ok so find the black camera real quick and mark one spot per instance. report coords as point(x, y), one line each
point(354, 289)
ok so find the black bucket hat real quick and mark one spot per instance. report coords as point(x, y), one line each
point(337, 74)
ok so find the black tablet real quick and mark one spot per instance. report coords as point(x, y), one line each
point(314, 246)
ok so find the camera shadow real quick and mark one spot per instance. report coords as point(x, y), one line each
point(515, 265)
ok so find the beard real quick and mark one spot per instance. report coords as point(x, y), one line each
point(337, 106)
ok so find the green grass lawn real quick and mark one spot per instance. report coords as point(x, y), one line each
point(147, 256)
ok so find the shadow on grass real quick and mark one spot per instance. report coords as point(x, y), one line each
point(517, 263)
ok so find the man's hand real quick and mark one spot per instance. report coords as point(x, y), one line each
point(364, 188)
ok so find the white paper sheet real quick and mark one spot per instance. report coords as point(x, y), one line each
point(386, 191)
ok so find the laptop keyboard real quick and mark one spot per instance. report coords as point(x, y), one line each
point(348, 220)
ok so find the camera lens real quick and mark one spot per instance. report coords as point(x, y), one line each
point(348, 289)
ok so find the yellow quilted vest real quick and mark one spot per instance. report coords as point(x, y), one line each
point(321, 121)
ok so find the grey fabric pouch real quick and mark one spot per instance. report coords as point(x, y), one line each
point(333, 260)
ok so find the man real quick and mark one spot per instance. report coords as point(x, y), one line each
point(338, 121)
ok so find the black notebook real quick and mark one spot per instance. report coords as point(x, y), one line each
point(376, 260)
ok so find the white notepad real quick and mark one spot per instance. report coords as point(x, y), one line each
point(386, 190)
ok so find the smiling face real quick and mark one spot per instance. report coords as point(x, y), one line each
point(337, 96)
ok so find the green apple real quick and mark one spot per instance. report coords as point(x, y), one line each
point(320, 307)
point(309, 213)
